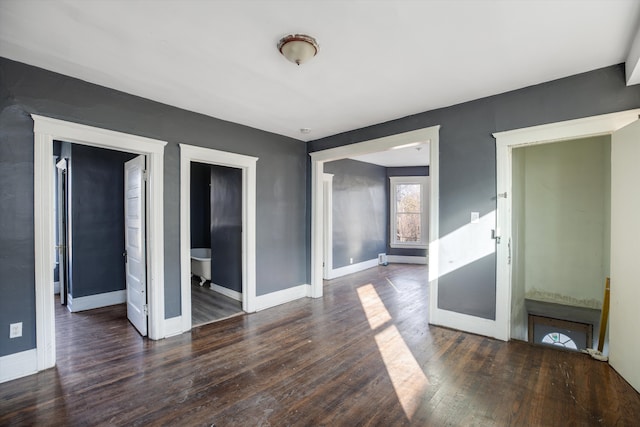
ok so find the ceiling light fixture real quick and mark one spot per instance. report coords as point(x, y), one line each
point(298, 48)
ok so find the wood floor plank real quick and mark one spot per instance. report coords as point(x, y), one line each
point(363, 355)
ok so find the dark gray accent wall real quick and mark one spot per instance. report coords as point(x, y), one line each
point(97, 224)
point(360, 211)
point(403, 171)
point(200, 205)
point(17, 268)
point(226, 227)
point(281, 241)
point(467, 157)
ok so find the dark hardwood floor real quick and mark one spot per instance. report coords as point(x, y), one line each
point(209, 306)
point(364, 355)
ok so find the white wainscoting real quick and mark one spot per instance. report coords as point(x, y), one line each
point(226, 292)
point(96, 301)
point(18, 365)
point(353, 268)
point(404, 259)
point(173, 326)
point(281, 297)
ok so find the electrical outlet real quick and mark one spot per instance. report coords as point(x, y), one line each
point(15, 330)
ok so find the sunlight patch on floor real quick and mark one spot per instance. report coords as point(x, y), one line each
point(409, 382)
point(374, 308)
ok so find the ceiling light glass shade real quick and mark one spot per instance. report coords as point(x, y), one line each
point(298, 48)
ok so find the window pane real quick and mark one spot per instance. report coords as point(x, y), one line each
point(408, 227)
point(408, 198)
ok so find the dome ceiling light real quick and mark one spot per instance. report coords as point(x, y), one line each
point(298, 48)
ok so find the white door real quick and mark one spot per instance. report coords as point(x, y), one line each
point(624, 347)
point(61, 218)
point(135, 256)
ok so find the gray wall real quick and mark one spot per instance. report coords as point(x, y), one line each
point(17, 273)
point(467, 158)
point(405, 171)
point(282, 245)
point(97, 220)
point(200, 205)
point(226, 227)
point(360, 211)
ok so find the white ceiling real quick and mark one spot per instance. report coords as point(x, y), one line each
point(378, 60)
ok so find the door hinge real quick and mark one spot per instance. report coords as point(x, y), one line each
point(145, 308)
point(145, 175)
point(503, 195)
point(509, 251)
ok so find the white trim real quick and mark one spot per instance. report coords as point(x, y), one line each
point(424, 210)
point(327, 188)
point(90, 302)
point(464, 322)
point(45, 131)
point(505, 141)
point(434, 227)
point(284, 296)
point(226, 292)
point(173, 326)
point(318, 159)
point(191, 153)
point(406, 259)
point(18, 365)
point(56, 287)
point(44, 244)
point(353, 268)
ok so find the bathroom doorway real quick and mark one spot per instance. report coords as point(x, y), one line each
point(216, 242)
point(228, 233)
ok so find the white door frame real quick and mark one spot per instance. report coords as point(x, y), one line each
point(46, 130)
point(318, 159)
point(327, 189)
point(191, 153)
point(604, 124)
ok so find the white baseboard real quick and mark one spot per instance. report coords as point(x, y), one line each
point(226, 292)
point(96, 301)
point(353, 268)
point(281, 297)
point(172, 326)
point(56, 288)
point(404, 259)
point(18, 365)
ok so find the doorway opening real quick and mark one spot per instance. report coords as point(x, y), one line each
point(231, 228)
point(321, 185)
point(100, 230)
point(561, 234)
point(46, 131)
point(509, 318)
point(216, 242)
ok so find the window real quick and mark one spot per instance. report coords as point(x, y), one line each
point(409, 212)
point(559, 339)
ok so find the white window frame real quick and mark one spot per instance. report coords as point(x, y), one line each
point(423, 181)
